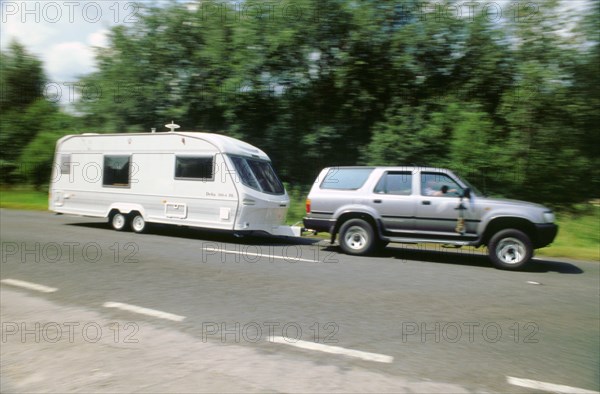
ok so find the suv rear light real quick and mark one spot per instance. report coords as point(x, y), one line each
point(307, 205)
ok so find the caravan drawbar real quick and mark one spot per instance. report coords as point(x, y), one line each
point(183, 178)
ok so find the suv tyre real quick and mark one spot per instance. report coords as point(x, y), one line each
point(510, 249)
point(357, 237)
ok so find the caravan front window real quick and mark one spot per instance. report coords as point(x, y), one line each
point(257, 174)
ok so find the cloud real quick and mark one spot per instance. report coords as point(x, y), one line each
point(28, 33)
point(98, 38)
point(61, 34)
point(66, 60)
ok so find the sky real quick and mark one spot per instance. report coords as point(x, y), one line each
point(63, 34)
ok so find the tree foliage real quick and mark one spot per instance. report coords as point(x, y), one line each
point(510, 104)
point(26, 117)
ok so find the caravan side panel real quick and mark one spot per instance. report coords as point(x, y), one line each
point(152, 187)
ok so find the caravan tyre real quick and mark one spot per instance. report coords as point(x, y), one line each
point(138, 224)
point(118, 221)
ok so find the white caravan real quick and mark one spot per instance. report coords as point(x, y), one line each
point(192, 179)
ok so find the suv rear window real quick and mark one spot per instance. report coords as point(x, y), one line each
point(346, 178)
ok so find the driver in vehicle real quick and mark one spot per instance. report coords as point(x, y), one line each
point(432, 189)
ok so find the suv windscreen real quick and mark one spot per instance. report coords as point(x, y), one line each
point(257, 174)
point(474, 190)
point(346, 178)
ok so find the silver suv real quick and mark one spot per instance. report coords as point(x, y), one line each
point(372, 206)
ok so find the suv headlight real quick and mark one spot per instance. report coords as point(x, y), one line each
point(549, 217)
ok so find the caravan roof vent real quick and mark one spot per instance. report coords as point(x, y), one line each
point(172, 126)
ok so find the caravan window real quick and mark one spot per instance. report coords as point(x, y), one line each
point(65, 164)
point(257, 174)
point(116, 171)
point(201, 168)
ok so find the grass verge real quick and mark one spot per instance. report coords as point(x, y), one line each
point(578, 235)
point(23, 198)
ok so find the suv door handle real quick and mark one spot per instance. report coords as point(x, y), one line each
point(426, 202)
point(377, 201)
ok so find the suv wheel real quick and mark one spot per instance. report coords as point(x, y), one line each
point(357, 237)
point(510, 249)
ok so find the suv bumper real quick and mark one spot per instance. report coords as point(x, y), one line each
point(545, 234)
point(321, 225)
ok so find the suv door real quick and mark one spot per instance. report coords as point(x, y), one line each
point(392, 198)
point(436, 210)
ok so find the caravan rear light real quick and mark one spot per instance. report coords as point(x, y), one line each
point(307, 205)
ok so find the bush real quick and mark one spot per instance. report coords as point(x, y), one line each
point(35, 163)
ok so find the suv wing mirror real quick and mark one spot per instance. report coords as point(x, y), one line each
point(467, 192)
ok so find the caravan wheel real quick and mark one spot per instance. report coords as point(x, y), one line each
point(118, 221)
point(138, 224)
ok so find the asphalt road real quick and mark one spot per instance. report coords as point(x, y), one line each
point(438, 317)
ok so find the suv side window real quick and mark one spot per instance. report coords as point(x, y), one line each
point(346, 178)
point(432, 183)
point(398, 183)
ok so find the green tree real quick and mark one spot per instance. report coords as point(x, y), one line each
point(331, 82)
point(21, 83)
point(544, 135)
point(410, 136)
point(474, 148)
point(22, 78)
point(37, 158)
point(28, 119)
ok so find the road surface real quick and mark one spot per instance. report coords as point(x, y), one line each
point(86, 308)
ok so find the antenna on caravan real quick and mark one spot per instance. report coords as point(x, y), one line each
point(172, 126)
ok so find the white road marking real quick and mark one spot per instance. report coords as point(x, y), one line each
point(554, 388)
point(531, 282)
point(143, 311)
point(260, 255)
point(29, 285)
point(380, 358)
